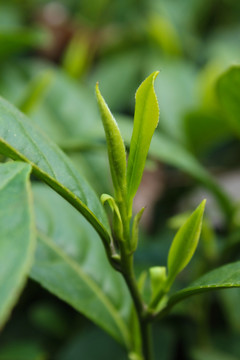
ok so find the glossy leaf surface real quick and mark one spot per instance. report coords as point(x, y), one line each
point(184, 243)
point(71, 264)
point(227, 276)
point(145, 122)
point(172, 153)
point(21, 140)
point(115, 146)
point(17, 234)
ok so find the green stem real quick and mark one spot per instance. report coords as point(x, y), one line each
point(145, 328)
point(127, 271)
point(140, 306)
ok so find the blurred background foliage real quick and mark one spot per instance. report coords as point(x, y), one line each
point(51, 55)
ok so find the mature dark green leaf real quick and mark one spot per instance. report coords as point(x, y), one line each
point(17, 234)
point(21, 140)
point(228, 87)
point(145, 122)
point(71, 264)
point(227, 276)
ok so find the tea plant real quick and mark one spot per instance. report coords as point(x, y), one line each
point(56, 260)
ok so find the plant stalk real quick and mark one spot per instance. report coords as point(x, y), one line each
point(140, 306)
point(127, 271)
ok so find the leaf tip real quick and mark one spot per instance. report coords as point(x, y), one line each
point(202, 205)
point(97, 89)
point(155, 74)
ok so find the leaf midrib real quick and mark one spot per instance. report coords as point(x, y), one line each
point(93, 286)
point(76, 200)
point(9, 179)
point(42, 153)
point(134, 163)
point(192, 290)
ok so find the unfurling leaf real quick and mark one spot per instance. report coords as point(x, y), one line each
point(134, 238)
point(145, 122)
point(115, 146)
point(184, 243)
point(117, 220)
point(158, 277)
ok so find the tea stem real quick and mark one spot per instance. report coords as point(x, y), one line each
point(140, 306)
point(127, 270)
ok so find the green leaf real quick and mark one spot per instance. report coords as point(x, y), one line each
point(165, 150)
point(117, 220)
point(62, 276)
point(158, 277)
point(227, 276)
point(184, 243)
point(22, 140)
point(145, 122)
point(72, 264)
point(135, 228)
point(17, 234)
point(228, 87)
point(116, 148)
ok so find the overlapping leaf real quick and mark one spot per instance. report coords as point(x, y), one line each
point(184, 243)
point(172, 153)
point(21, 140)
point(71, 264)
point(224, 277)
point(17, 234)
